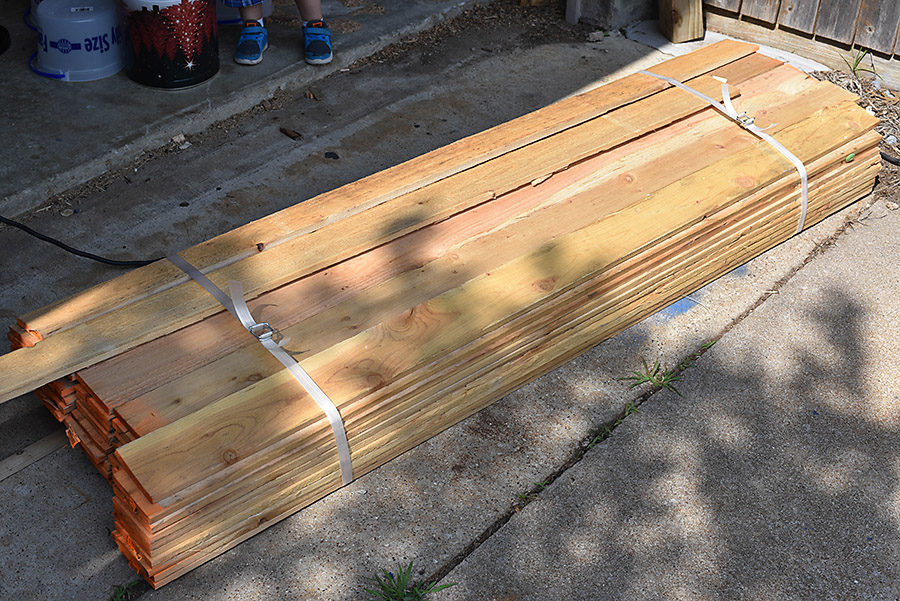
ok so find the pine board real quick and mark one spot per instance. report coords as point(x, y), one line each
point(171, 458)
point(107, 379)
point(185, 303)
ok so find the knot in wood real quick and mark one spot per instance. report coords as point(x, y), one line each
point(546, 284)
point(229, 456)
point(745, 181)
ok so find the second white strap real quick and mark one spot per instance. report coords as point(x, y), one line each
point(727, 108)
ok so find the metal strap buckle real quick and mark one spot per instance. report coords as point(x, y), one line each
point(745, 119)
point(262, 331)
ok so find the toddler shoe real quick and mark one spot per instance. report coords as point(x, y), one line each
point(253, 42)
point(317, 42)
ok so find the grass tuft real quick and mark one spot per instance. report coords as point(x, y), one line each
point(397, 587)
point(657, 376)
point(855, 64)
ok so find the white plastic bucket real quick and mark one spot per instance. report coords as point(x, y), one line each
point(228, 15)
point(78, 40)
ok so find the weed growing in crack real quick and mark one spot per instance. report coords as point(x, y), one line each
point(691, 360)
point(657, 376)
point(606, 431)
point(397, 587)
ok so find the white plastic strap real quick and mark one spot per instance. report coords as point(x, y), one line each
point(263, 332)
point(727, 108)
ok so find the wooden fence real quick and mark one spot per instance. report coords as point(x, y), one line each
point(867, 24)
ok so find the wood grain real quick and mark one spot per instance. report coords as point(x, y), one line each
point(761, 10)
point(799, 14)
point(182, 551)
point(729, 5)
point(170, 458)
point(878, 23)
point(425, 307)
point(286, 258)
point(837, 20)
point(359, 196)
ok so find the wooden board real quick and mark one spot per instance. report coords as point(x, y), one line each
point(829, 180)
point(318, 291)
point(837, 20)
point(171, 458)
point(32, 453)
point(799, 14)
point(427, 306)
point(150, 317)
point(729, 5)
point(156, 404)
point(681, 20)
point(878, 24)
point(263, 516)
point(179, 549)
point(368, 192)
point(828, 54)
point(761, 10)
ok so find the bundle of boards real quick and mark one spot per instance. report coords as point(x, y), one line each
point(423, 293)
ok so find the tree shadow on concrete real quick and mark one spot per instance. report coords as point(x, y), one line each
point(775, 477)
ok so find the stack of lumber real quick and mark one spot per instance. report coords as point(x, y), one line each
point(419, 295)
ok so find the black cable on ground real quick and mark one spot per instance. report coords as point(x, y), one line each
point(890, 159)
point(74, 251)
point(4, 39)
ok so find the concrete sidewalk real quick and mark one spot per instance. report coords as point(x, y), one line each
point(776, 476)
point(61, 134)
point(459, 503)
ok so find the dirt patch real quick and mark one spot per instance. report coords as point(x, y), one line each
point(344, 25)
point(370, 9)
point(503, 24)
point(884, 103)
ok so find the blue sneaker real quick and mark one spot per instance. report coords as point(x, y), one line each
point(317, 43)
point(253, 42)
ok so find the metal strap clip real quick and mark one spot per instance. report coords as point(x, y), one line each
point(745, 120)
point(262, 331)
point(265, 333)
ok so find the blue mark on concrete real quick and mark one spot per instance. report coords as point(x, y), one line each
point(692, 301)
point(739, 271)
point(677, 308)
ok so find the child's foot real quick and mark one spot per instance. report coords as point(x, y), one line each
point(253, 42)
point(317, 42)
